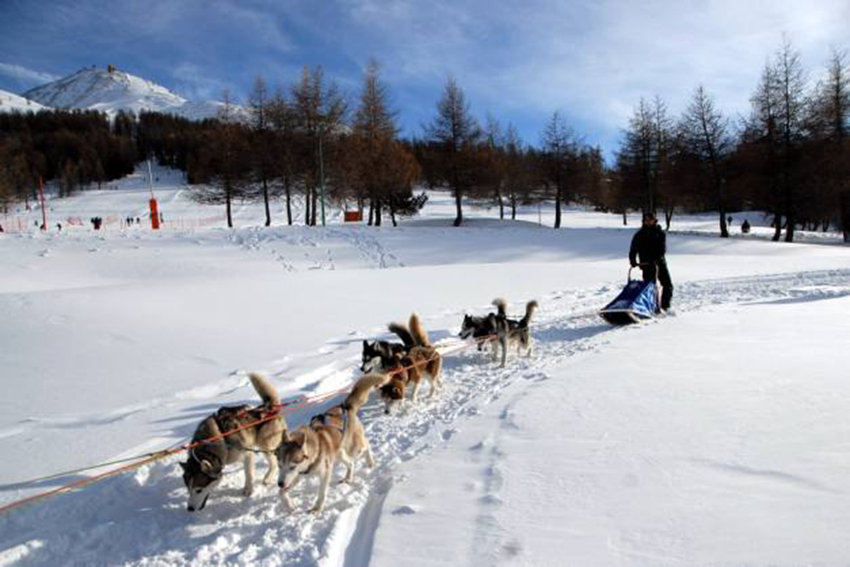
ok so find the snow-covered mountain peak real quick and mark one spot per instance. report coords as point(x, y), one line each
point(108, 90)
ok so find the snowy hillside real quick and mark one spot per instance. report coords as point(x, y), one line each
point(113, 90)
point(716, 436)
point(10, 102)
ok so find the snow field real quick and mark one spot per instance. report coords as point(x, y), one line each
point(608, 446)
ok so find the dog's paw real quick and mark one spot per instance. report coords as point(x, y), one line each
point(248, 491)
point(286, 501)
point(317, 509)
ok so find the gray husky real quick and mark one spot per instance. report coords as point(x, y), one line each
point(336, 434)
point(480, 327)
point(205, 467)
point(512, 332)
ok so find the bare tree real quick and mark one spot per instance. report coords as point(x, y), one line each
point(262, 146)
point(374, 133)
point(455, 133)
point(320, 110)
point(225, 151)
point(706, 137)
point(791, 84)
point(559, 152)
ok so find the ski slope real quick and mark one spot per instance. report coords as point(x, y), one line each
point(715, 436)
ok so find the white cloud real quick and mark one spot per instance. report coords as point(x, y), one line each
point(593, 59)
point(26, 75)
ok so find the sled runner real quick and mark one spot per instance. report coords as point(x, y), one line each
point(638, 301)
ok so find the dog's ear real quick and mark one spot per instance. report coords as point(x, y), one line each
point(365, 343)
point(206, 467)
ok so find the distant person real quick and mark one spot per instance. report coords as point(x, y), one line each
point(729, 220)
point(59, 226)
point(745, 226)
point(650, 245)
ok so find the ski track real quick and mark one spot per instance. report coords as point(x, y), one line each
point(141, 517)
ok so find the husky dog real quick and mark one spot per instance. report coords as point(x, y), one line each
point(480, 327)
point(203, 470)
point(337, 434)
point(419, 362)
point(378, 354)
point(511, 331)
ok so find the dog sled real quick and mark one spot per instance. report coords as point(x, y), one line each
point(637, 302)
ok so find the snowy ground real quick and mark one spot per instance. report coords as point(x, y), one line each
point(713, 437)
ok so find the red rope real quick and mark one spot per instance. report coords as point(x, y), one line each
point(273, 413)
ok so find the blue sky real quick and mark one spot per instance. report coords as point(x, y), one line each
point(518, 59)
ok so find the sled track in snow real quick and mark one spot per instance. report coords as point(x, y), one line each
point(141, 518)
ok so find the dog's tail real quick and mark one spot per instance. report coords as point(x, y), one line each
point(502, 306)
point(360, 393)
point(530, 307)
point(403, 333)
point(266, 391)
point(420, 337)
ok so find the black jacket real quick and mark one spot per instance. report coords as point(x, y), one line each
point(650, 243)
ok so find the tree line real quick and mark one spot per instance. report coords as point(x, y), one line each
point(790, 157)
point(74, 149)
point(309, 142)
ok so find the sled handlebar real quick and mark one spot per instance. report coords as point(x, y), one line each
point(638, 265)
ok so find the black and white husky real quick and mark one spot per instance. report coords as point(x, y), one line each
point(511, 331)
point(203, 471)
point(479, 328)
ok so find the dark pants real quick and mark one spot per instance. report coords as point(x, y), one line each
point(663, 279)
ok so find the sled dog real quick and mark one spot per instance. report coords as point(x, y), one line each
point(512, 332)
point(409, 370)
point(377, 354)
point(203, 470)
point(423, 360)
point(337, 434)
point(480, 327)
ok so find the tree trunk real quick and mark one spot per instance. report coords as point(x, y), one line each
point(371, 211)
point(288, 205)
point(625, 219)
point(307, 207)
point(777, 227)
point(513, 207)
point(378, 206)
point(845, 215)
point(227, 204)
point(315, 206)
point(392, 213)
point(558, 208)
point(501, 205)
point(790, 228)
point(266, 201)
point(668, 218)
point(458, 197)
point(724, 229)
